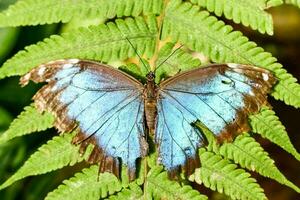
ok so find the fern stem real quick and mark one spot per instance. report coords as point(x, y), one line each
point(145, 178)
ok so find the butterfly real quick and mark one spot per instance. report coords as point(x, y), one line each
point(117, 113)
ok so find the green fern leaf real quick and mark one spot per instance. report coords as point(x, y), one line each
point(267, 124)
point(220, 175)
point(248, 12)
point(29, 121)
point(137, 71)
point(204, 33)
point(249, 154)
point(106, 42)
point(86, 185)
point(158, 186)
point(294, 2)
point(57, 153)
point(134, 192)
point(169, 65)
point(33, 12)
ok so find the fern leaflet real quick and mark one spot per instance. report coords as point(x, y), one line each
point(248, 12)
point(29, 121)
point(87, 185)
point(158, 186)
point(220, 175)
point(106, 42)
point(57, 153)
point(172, 64)
point(249, 154)
point(204, 33)
point(33, 12)
point(133, 192)
point(267, 124)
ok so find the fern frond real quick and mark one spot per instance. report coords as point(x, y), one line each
point(248, 12)
point(86, 185)
point(137, 71)
point(57, 153)
point(204, 33)
point(294, 2)
point(106, 42)
point(134, 192)
point(249, 154)
point(158, 186)
point(267, 124)
point(220, 175)
point(33, 12)
point(172, 64)
point(29, 121)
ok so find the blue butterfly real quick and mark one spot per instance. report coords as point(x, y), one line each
point(117, 113)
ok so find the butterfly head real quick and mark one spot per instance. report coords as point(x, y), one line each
point(150, 76)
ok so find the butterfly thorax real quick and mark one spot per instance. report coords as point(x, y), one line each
point(150, 98)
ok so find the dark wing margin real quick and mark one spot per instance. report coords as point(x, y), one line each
point(105, 105)
point(220, 96)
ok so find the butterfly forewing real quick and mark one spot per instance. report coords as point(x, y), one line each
point(220, 96)
point(104, 103)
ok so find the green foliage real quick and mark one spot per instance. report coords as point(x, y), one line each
point(85, 185)
point(8, 35)
point(294, 2)
point(169, 64)
point(136, 71)
point(105, 42)
point(7, 40)
point(33, 12)
point(12, 155)
point(29, 121)
point(249, 154)
point(141, 21)
point(134, 192)
point(221, 175)
point(204, 33)
point(248, 12)
point(267, 124)
point(158, 186)
point(5, 119)
point(57, 153)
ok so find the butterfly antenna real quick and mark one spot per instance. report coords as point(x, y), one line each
point(135, 50)
point(168, 57)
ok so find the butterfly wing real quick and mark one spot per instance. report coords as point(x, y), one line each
point(220, 96)
point(104, 103)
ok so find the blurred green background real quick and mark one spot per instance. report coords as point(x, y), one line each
point(285, 45)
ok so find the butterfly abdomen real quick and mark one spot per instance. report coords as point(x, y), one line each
point(150, 112)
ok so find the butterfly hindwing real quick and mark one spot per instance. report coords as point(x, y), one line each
point(220, 96)
point(104, 103)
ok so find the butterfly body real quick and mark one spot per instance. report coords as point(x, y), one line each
point(150, 98)
point(111, 109)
